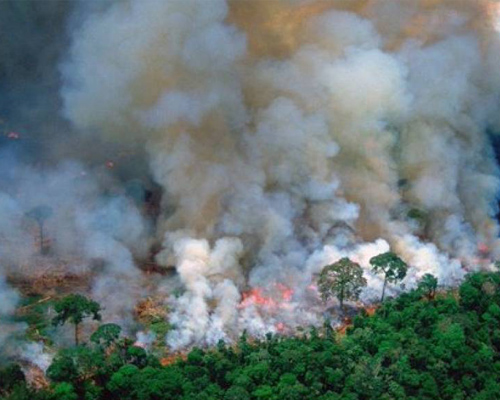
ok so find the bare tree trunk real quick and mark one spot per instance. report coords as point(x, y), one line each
point(76, 334)
point(383, 289)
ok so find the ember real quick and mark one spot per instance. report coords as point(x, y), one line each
point(280, 327)
point(286, 292)
point(483, 248)
point(255, 297)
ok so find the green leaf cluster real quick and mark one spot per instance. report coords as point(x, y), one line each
point(343, 279)
point(410, 349)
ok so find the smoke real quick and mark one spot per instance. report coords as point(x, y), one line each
point(145, 339)
point(87, 232)
point(11, 329)
point(34, 353)
point(283, 134)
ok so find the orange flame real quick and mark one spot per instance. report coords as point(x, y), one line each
point(313, 287)
point(270, 300)
point(280, 327)
point(286, 292)
point(483, 248)
point(256, 296)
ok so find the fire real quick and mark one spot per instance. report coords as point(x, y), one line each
point(282, 295)
point(13, 135)
point(482, 258)
point(173, 358)
point(313, 287)
point(286, 292)
point(256, 297)
point(280, 327)
point(483, 248)
point(370, 310)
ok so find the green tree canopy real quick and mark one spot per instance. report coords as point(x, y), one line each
point(428, 285)
point(10, 376)
point(74, 308)
point(106, 334)
point(65, 391)
point(343, 279)
point(408, 349)
point(393, 268)
point(40, 213)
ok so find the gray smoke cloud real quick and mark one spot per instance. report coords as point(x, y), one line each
point(84, 225)
point(284, 135)
point(95, 229)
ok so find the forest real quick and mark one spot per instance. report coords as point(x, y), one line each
point(424, 344)
point(250, 200)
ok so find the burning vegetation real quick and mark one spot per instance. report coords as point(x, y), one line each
point(200, 170)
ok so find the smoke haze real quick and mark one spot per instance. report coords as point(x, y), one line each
point(281, 134)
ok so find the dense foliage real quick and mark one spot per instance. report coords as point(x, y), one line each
point(74, 309)
point(422, 345)
point(393, 268)
point(343, 279)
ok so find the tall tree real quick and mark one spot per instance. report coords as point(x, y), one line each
point(393, 268)
point(343, 279)
point(40, 214)
point(428, 285)
point(75, 308)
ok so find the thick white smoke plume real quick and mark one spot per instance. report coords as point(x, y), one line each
point(285, 134)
